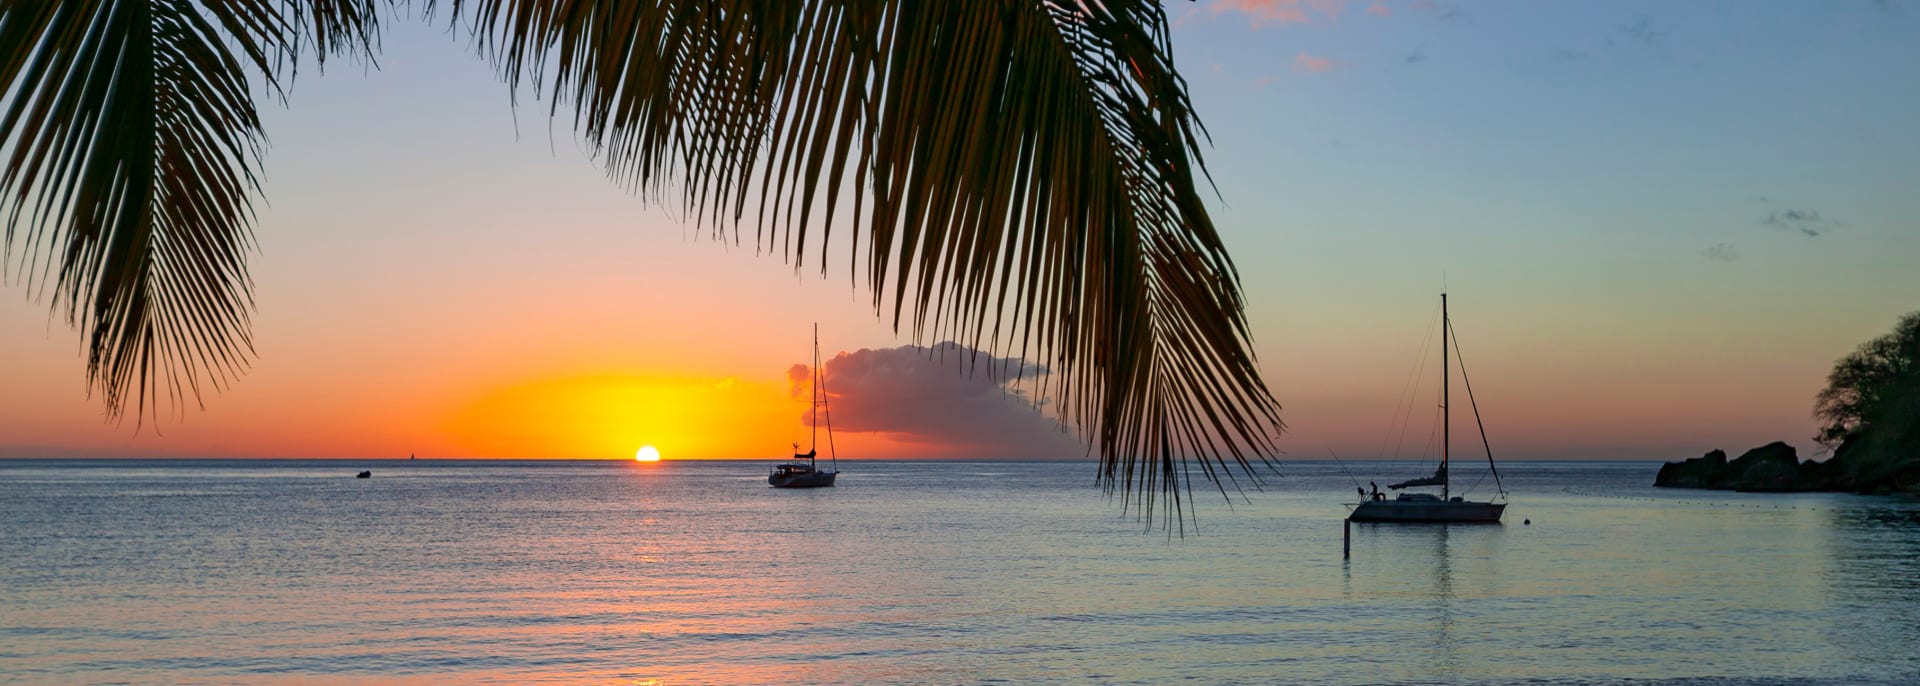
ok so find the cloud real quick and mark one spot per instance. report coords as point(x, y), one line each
point(1565, 55)
point(1416, 57)
point(1808, 222)
point(1446, 14)
point(1314, 65)
point(942, 397)
point(1263, 12)
point(1721, 252)
point(1642, 31)
point(1380, 9)
point(1887, 6)
point(1185, 17)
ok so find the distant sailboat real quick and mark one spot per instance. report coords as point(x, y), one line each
point(1426, 507)
point(411, 456)
point(802, 471)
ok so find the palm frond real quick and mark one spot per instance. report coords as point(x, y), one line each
point(131, 142)
point(1024, 172)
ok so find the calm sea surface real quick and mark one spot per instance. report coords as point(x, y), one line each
point(915, 572)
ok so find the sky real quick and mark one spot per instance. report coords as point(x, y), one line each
point(1659, 224)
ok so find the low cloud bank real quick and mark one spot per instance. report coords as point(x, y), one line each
point(942, 397)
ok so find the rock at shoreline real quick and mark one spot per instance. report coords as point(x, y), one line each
point(1857, 467)
point(1878, 462)
point(1774, 467)
point(1701, 472)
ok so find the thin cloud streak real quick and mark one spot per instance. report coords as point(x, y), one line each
point(1644, 32)
point(1313, 65)
point(1263, 12)
point(1445, 14)
point(1565, 55)
point(1806, 222)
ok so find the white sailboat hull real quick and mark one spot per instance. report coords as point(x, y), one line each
point(1427, 511)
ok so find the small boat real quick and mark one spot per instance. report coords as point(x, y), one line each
point(364, 475)
point(802, 471)
point(1427, 507)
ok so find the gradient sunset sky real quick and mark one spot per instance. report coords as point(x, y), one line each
point(1660, 224)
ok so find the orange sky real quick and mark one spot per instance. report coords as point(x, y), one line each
point(438, 275)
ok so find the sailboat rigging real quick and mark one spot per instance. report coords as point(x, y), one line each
point(803, 471)
point(1425, 507)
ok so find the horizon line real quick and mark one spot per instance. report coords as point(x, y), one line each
point(233, 458)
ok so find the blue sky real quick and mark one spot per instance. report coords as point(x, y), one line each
point(1620, 196)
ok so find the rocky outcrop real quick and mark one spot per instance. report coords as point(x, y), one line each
point(1705, 471)
point(1774, 467)
point(1877, 463)
point(1856, 467)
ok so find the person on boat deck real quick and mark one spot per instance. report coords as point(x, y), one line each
point(1361, 491)
point(1376, 491)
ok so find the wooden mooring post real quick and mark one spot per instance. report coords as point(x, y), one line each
point(1346, 539)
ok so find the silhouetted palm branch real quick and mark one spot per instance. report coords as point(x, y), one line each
point(1023, 173)
point(131, 141)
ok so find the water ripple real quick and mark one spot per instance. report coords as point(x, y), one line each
point(290, 572)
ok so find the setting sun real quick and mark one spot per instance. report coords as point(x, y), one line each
point(647, 454)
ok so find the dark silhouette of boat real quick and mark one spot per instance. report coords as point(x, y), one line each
point(1427, 507)
point(364, 475)
point(803, 471)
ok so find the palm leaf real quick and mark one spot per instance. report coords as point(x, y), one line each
point(131, 142)
point(1024, 172)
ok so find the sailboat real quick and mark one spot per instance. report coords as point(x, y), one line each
point(802, 471)
point(1446, 507)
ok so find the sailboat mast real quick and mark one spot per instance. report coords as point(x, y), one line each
point(813, 443)
point(1446, 327)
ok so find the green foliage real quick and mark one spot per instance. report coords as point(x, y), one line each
point(1876, 389)
point(1023, 173)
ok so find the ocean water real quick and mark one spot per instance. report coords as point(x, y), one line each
point(926, 572)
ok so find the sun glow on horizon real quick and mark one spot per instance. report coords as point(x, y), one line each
point(611, 415)
point(647, 454)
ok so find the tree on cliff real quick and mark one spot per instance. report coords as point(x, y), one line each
point(1873, 395)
